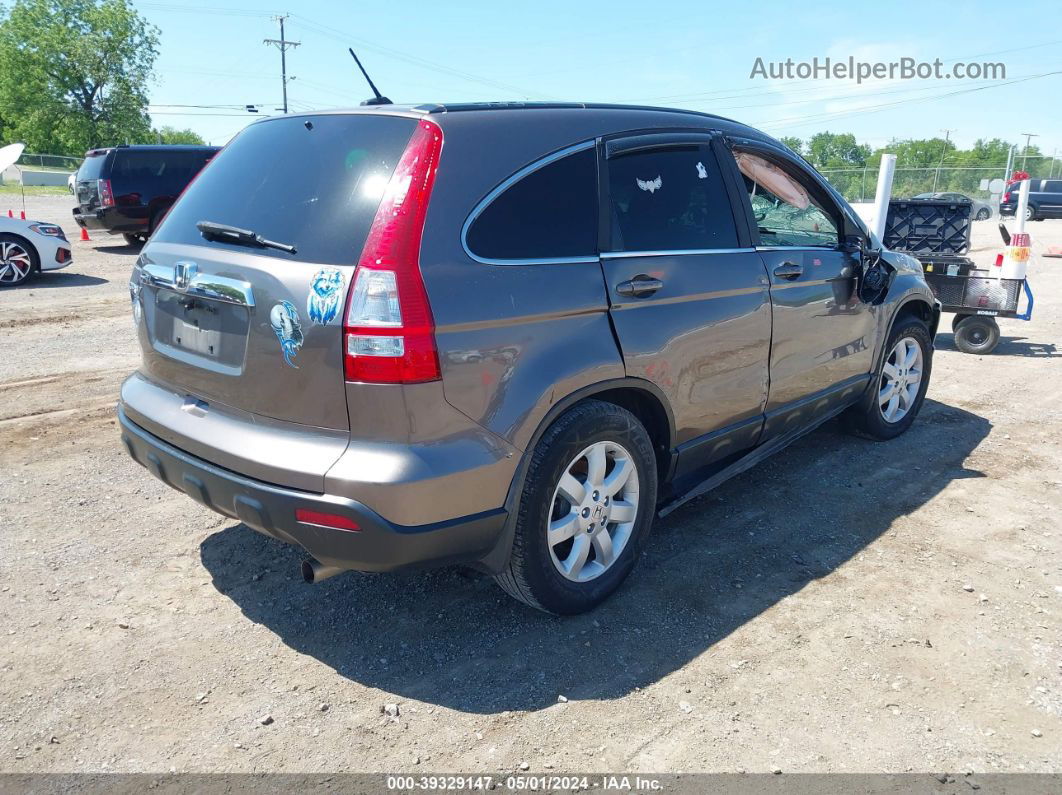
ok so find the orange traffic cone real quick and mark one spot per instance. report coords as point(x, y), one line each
point(84, 234)
point(22, 214)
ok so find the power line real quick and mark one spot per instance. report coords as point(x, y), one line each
point(410, 59)
point(818, 118)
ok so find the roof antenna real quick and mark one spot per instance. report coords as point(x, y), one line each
point(379, 99)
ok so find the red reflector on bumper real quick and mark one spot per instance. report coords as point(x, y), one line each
point(325, 519)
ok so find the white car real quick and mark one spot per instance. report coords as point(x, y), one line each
point(27, 247)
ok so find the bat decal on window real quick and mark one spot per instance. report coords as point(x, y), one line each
point(651, 185)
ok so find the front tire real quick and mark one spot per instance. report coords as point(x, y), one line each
point(585, 511)
point(895, 397)
point(18, 260)
point(133, 240)
point(983, 214)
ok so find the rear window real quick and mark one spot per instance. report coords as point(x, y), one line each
point(551, 213)
point(92, 168)
point(314, 183)
point(134, 164)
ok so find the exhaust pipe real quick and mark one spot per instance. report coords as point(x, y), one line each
point(313, 571)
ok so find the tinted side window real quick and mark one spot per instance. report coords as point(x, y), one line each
point(1053, 185)
point(786, 212)
point(549, 213)
point(669, 200)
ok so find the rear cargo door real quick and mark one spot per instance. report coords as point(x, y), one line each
point(260, 329)
point(91, 171)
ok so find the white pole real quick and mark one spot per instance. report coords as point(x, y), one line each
point(1016, 261)
point(881, 196)
point(1023, 204)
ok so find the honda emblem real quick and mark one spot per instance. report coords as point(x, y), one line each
point(183, 273)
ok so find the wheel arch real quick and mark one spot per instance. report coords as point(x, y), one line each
point(915, 304)
point(640, 397)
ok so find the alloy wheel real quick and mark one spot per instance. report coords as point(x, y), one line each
point(901, 379)
point(593, 511)
point(15, 263)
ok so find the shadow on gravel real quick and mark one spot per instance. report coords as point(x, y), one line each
point(451, 638)
point(1008, 346)
point(122, 248)
point(48, 279)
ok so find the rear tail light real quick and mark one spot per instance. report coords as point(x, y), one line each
point(1006, 197)
point(389, 332)
point(103, 187)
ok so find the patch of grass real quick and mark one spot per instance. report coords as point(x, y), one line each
point(34, 190)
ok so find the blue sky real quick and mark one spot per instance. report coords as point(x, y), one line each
point(686, 54)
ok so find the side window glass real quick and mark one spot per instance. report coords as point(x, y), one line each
point(786, 213)
point(669, 199)
point(551, 213)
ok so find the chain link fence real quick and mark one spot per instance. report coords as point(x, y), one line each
point(48, 162)
point(860, 184)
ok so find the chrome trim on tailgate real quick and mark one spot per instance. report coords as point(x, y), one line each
point(216, 288)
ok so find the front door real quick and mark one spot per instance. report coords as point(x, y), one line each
point(689, 296)
point(821, 351)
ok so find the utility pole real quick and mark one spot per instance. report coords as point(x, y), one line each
point(1025, 153)
point(936, 176)
point(282, 44)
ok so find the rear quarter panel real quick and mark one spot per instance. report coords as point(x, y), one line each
point(513, 339)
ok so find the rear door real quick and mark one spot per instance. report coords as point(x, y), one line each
point(259, 329)
point(689, 296)
point(1051, 198)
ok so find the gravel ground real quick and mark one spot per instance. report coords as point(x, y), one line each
point(848, 606)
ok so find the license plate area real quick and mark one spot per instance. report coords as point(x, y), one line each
point(191, 327)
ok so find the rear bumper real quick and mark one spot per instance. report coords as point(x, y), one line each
point(114, 220)
point(378, 545)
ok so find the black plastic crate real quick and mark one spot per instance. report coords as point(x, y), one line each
point(928, 226)
point(975, 292)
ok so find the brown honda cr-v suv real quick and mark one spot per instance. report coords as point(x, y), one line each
point(506, 335)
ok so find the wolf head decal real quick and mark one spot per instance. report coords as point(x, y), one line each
point(326, 288)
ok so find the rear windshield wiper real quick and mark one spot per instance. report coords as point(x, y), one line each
point(240, 237)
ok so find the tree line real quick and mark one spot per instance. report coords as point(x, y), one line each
point(923, 165)
point(74, 75)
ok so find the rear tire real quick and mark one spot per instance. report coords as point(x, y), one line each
point(133, 240)
point(975, 334)
point(955, 321)
point(570, 551)
point(878, 416)
point(983, 214)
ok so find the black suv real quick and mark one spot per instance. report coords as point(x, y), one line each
point(125, 190)
point(1045, 199)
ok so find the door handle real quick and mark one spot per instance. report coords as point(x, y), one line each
point(639, 286)
point(789, 270)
